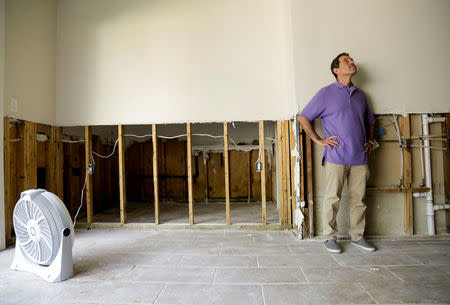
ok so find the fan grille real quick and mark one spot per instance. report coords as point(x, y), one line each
point(36, 231)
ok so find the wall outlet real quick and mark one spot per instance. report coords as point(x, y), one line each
point(13, 105)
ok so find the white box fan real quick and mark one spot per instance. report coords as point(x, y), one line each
point(44, 236)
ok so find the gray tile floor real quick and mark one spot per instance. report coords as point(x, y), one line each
point(235, 267)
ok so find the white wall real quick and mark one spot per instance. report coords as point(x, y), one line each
point(2, 69)
point(30, 59)
point(401, 47)
point(157, 61)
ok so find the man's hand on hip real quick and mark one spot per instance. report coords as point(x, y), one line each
point(329, 142)
point(368, 147)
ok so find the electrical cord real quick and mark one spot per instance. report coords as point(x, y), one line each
point(81, 201)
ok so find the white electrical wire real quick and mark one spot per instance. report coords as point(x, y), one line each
point(271, 139)
point(72, 142)
point(81, 201)
point(105, 157)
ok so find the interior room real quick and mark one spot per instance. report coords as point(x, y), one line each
point(163, 139)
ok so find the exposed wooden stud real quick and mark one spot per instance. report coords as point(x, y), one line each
point(189, 170)
point(249, 182)
point(287, 173)
point(375, 190)
point(155, 172)
point(227, 172)
point(56, 162)
point(263, 171)
point(293, 160)
point(446, 160)
point(305, 210)
point(405, 130)
point(122, 182)
point(30, 161)
point(309, 187)
point(280, 171)
point(205, 159)
point(9, 175)
point(89, 189)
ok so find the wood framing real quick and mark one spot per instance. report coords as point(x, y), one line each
point(189, 172)
point(446, 157)
point(309, 186)
point(9, 175)
point(249, 182)
point(305, 210)
point(56, 163)
point(263, 172)
point(293, 160)
point(89, 190)
point(122, 182)
point(287, 173)
point(405, 130)
point(30, 161)
point(227, 172)
point(280, 168)
point(155, 172)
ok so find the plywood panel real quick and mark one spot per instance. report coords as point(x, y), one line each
point(199, 176)
point(239, 174)
point(176, 176)
point(9, 175)
point(73, 176)
point(134, 179)
point(30, 160)
point(146, 159)
point(216, 176)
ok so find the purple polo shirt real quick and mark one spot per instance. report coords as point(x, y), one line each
point(344, 112)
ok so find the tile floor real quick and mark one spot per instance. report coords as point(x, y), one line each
point(235, 267)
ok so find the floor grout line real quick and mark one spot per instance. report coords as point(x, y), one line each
point(214, 276)
point(262, 293)
point(337, 261)
point(304, 274)
point(159, 293)
point(364, 289)
point(416, 260)
point(393, 273)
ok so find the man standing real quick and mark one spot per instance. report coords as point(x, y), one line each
point(348, 128)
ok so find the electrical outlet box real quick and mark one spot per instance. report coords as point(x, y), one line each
point(13, 105)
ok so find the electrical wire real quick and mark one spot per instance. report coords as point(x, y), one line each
point(81, 201)
point(397, 129)
point(72, 142)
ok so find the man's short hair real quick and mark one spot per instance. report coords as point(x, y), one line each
point(335, 63)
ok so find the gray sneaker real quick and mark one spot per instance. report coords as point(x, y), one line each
point(364, 244)
point(332, 246)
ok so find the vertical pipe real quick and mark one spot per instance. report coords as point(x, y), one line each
point(122, 183)
point(429, 185)
point(227, 173)
point(309, 186)
point(263, 171)
point(189, 168)
point(155, 173)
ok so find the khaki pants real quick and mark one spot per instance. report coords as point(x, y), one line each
point(356, 176)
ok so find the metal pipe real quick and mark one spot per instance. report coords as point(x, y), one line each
point(397, 129)
point(429, 184)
